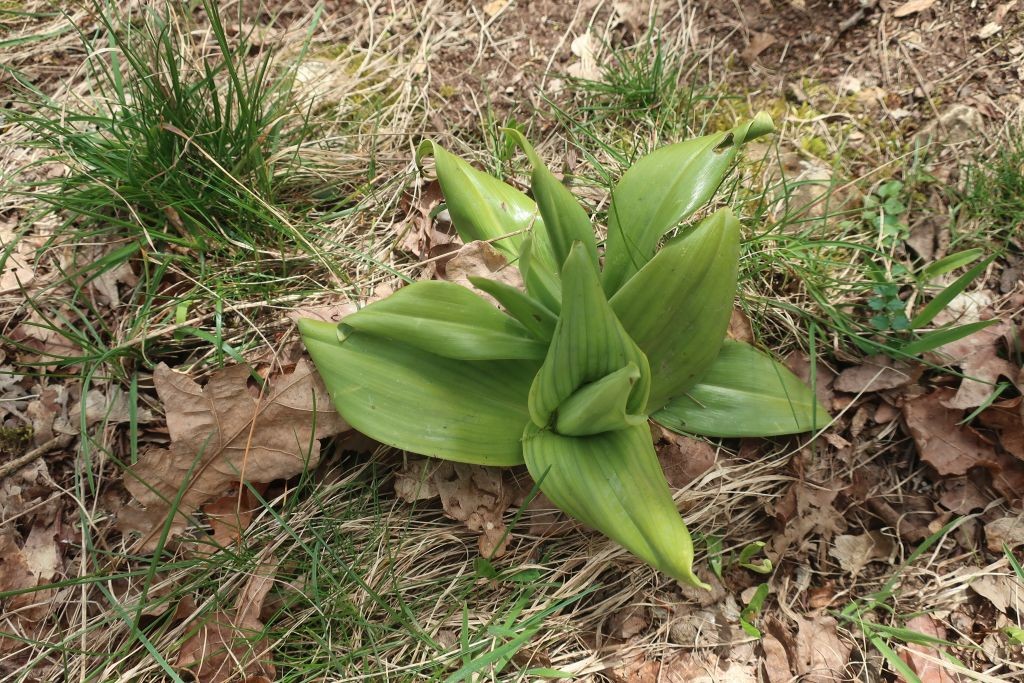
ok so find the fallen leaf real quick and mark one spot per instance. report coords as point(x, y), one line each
point(927, 670)
point(629, 622)
point(806, 509)
point(103, 285)
point(48, 337)
point(877, 373)
point(989, 30)
point(740, 328)
point(1008, 531)
point(962, 495)
point(775, 661)
point(854, 552)
point(684, 458)
point(423, 234)
point(229, 516)
point(229, 643)
point(977, 355)
point(1006, 418)
point(759, 42)
point(109, 407)
point(480, 259)
point(493, 7)
point(821, 656)
point(328, 313)
point(1005, 592)
point(546, 520)
point(680, 668)
point(800, 365)
point(16, 273)
point(912, 7)
point(584, 47)
point(953, 449)
point(474, 494)
point(222, 434)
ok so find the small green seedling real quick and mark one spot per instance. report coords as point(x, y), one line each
point(566, 376)
point(718, 561)
point(884, 211)
point(753, 608)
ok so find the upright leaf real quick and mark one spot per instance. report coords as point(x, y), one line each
point(481, 206)
point(600, 406)
point(521, 306)
point(449, 320)
point(614, 483)
point(565, 221)
point(467, 411)
point(744, 393)
point(677, 307)
point(661, 190)
point(589, 343)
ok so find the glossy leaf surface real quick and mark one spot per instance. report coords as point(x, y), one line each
point(677, 307)
point(613, 482)
point(589, 343)
point(744, 393)
point(467, 411)
point(448, 320)
point(664, 188)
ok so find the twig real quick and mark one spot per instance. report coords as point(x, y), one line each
point(13, 466)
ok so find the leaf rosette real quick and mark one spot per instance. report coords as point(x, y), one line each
point(565, 375)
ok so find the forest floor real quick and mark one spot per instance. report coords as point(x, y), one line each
point(179, 184)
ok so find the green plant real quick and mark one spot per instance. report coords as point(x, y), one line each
point(566, 378)
point(883, 211)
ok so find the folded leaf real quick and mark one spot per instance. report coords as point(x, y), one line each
point(677, 307)
point(612, 482)
point(467, 411)
point(449, 320)
point(528, 311)
point(744, 393)
point(481, 206)
point(661, 190)
point(565, 221)
point(540, 275)
point(589, 343)
point(600, 406)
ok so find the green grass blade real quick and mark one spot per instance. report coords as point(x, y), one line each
point(942, 299)
point(943, 336)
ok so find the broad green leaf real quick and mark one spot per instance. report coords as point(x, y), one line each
point(943, 336)
point(600, 406)
point(521, 306)
point(943, 298)
point(565, 221)
point(589, 343)
point(612, 482)
point(467, 411)
point(662, 189)
point(541, 279)
point(677, 307)
point(448, 320)
point(481, 206)
point(744, 393)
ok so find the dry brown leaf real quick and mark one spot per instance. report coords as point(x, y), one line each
point(1005, 592)
point(16, 273)
point(480, 259)
point(474, 494)
point(912, 7)
point(962, 495)
point(684, 458)
point(821, 656)
point(854, 552)
point(328, 313)
point(759, 42)
point(224, 646)
point(109, 407)
point(774, 662)
point(953, 449)
point(824, 379)
point(740, 328)
point(229, 516)
point(977, 356)
point(1008, 531)
point(47, 337)
point(493, 7)
point(877, 373)
point(423, 235)
point(680, 668)
point(224, 433)
point(546, 520)
point(629, 622)
point(807, 509)
point(1007, 419)
point(103, 286)
point(927, 670)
